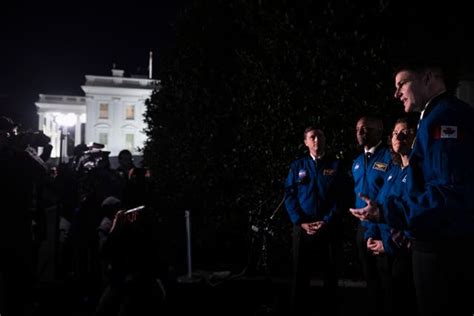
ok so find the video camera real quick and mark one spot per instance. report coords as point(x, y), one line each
point(21, 139)
point(28, 138)
point(93, 157)
point(24, 144)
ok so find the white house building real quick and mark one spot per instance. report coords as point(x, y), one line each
point(110, 113)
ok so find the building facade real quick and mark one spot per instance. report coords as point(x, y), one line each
point(110, 113)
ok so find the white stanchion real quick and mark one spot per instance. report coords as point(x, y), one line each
point(189, 277)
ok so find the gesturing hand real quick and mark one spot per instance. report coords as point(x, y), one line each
point(369, 212)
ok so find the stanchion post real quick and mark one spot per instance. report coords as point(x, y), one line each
point(189, 277)
point(187, 215)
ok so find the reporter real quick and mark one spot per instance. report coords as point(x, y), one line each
point(134, 267)
point(20, 169)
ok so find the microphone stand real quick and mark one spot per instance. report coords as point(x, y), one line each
point(277, 208)
point(262, 231)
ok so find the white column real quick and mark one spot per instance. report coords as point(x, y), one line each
point(56, 139)
point(77, 132)
point(64, 141)
point(40, 121)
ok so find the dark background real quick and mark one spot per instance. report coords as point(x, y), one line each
point(49, 47)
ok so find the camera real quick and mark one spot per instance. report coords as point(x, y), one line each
point(28, 138)
point(21, 139)
point(93, 158)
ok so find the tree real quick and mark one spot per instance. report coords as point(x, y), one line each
point(244, 80)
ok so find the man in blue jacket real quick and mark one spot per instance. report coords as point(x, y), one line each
point(369, 171)
point(311, 194)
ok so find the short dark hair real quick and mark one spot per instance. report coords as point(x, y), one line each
point(311, 128)
point(124, 152)
point(448, 71)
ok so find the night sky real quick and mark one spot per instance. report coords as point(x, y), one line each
point(443, 29)
point(48, 48)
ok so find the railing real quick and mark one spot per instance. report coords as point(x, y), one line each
point(63, 99)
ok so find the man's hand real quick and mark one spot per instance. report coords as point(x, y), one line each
point(370, 212)
point(376, 246)
point(121, 219)
point(313, 227)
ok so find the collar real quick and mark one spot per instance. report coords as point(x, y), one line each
point(317, 157)
point(430, 102)
point(372, 149)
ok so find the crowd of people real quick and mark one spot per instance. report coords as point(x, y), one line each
point(111, 258)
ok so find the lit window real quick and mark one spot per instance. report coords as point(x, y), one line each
point(103, 138)
point(104, 111)
point(130, 112)
point(130, 142)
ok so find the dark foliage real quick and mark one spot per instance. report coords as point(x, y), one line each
point(244, 80)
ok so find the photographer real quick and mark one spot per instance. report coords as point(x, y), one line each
point(20, 169)
point(134, 269)
point(96, 179)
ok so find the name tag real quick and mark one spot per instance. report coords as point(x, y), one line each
point(380, 166)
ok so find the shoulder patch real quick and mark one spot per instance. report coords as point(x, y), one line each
point(445, 131)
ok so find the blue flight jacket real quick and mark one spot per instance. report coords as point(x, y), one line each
point(369, 178)
point(395, 186)
point(311, 189)
point(439, 203)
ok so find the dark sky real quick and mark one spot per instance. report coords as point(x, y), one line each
point(49, 47)
point(435, 28)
